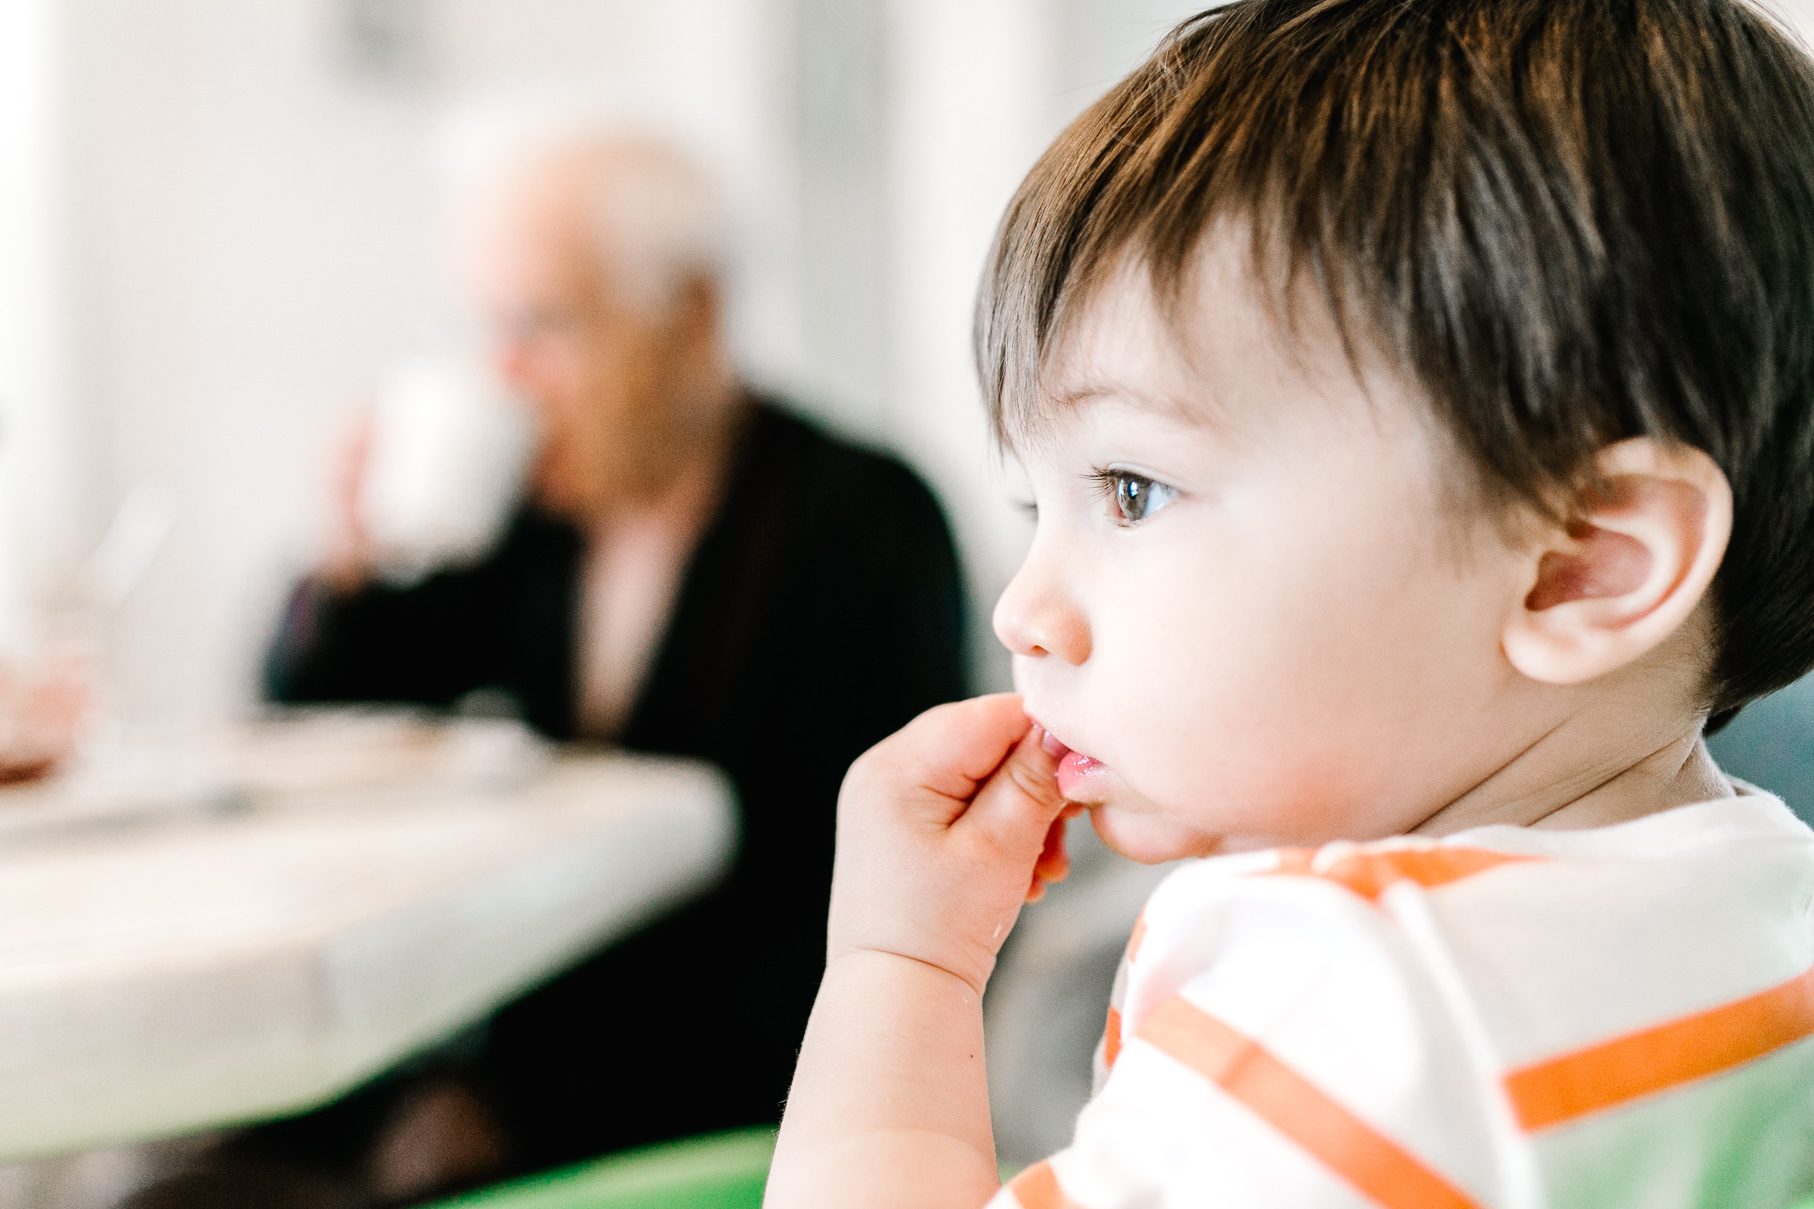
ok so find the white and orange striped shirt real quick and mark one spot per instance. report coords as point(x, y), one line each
point(1506, 1017)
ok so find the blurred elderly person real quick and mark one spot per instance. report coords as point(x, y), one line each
point(694, 571)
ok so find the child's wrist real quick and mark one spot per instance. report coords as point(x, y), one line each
point(866, 962)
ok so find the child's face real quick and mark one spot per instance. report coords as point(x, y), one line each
point(1248, 602)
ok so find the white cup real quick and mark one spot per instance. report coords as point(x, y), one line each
point(445, 467)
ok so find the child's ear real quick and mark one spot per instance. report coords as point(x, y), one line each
point(1628, 569)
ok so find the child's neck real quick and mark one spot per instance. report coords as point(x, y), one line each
point(1592, 772)
point(1677, 774)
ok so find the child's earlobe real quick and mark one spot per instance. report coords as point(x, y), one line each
point(1628, 570)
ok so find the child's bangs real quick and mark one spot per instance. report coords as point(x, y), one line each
point(1211, 127)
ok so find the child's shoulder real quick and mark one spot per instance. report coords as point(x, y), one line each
point(1538, 942)
point(1748, 846)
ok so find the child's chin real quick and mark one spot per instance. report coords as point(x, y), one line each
point(1148, 839)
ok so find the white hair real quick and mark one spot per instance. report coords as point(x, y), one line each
point(660, 225)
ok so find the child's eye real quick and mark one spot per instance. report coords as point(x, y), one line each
point(1134, 497)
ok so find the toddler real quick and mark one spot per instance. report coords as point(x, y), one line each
point(1416, 396)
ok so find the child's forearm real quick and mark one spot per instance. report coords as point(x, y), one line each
point(890, 1104)
point(941, 832)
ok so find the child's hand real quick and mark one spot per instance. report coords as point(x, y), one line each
point(944, 830)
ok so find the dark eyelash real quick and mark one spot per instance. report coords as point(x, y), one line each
point(1108, 480)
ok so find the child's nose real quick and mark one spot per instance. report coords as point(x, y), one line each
point(1034, 618)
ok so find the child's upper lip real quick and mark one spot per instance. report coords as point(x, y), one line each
point(1058, 738)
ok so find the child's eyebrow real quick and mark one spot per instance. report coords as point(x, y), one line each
point(1165, 405)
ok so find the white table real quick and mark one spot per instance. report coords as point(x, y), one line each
point(190, 972)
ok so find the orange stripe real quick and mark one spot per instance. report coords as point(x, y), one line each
point(1111, 1034)
point(1278, 1095)
point(1369, 873)
point(1668, 1055)
point(1037, 1188)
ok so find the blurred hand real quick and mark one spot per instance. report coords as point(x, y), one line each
point(43, 706)
point(349, 561)
point(944, 831)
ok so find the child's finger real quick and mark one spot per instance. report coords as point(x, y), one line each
point(951, 750)
point(1054, 863)
point(1017, 806)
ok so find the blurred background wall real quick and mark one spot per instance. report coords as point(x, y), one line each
point(221, 218)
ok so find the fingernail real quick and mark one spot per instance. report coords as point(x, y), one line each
point(1049, 743)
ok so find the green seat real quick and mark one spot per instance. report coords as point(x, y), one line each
point(717, 1171)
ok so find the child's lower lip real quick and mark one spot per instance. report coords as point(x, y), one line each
point(1074, 771)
